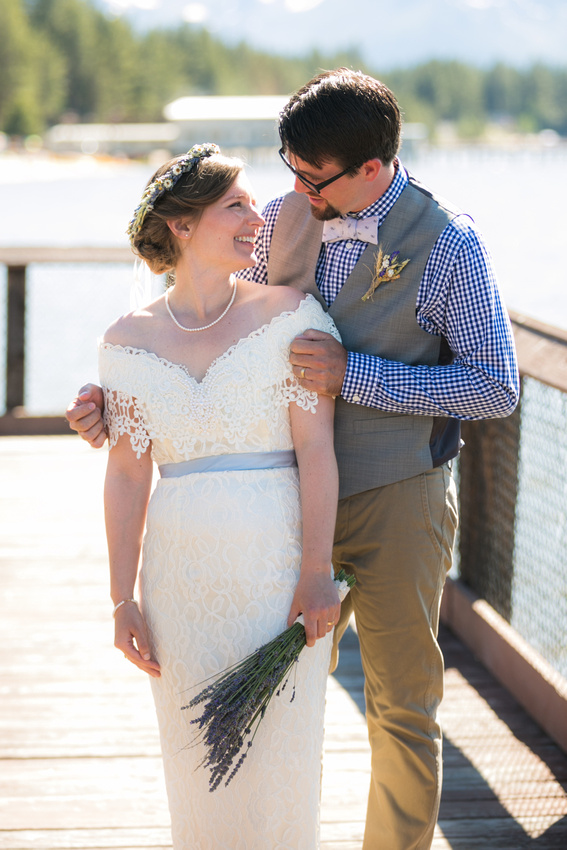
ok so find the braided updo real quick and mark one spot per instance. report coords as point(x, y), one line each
point(207, 181)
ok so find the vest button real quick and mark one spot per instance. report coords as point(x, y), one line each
point(356, 398)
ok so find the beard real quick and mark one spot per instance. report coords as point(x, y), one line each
point(324, 213)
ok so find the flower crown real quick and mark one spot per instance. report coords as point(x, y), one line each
point(167, 181)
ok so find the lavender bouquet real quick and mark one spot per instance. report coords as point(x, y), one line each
point(235, 703)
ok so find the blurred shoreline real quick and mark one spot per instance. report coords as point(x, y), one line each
point(44, 164)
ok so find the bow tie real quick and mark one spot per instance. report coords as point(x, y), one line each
point(363, 229)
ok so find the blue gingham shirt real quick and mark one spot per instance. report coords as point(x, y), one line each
point(458, 299)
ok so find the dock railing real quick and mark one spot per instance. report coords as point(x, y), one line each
point(15, 420)
point(507, 596)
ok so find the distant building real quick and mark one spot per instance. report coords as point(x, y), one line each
point(232, 122)
point(414, 137)
point(237, 124)
point(113, 139)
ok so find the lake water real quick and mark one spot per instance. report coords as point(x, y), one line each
point(515, 198)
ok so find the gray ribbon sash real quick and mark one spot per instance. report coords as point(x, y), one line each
point(230, 463)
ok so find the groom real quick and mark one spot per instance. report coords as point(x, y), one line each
point(426, 341)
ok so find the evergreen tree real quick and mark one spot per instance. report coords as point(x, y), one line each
point(72, 27)
point(66, 57)
point(31, 75)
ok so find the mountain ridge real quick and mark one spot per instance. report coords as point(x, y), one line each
point(385, 35)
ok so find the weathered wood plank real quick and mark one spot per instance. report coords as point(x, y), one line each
point(498, 834)
point(148, 838)
point(24, 255)
point(542, 350)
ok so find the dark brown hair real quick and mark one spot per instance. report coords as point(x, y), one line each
point(342, 115)
point(207, 181)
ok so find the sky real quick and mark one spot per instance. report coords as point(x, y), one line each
point(387, 33)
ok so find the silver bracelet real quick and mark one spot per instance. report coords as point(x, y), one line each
point(124, 601)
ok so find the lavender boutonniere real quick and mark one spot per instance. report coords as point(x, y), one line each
point(234, 705)
point(387, 267)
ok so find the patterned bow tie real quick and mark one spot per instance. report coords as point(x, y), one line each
point(363, 229)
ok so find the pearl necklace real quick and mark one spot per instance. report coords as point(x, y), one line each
point(205, 327)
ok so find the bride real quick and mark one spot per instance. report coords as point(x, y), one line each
point(239, 528)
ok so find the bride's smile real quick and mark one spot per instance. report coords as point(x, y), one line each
point(226, 230)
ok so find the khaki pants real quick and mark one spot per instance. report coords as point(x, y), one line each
point(398, 540)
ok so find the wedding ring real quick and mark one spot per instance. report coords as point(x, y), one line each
point(330, 624)
point(302, 373)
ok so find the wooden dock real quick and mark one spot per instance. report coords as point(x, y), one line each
point(79, 756)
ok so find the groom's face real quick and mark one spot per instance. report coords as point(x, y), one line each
point(337, 198)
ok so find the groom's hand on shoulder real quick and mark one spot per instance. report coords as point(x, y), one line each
point(319, 361)
point(84, 415)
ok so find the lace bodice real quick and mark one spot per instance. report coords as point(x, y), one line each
point(239, 406)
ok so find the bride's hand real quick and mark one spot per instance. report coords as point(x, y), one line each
point(84, 415)
point(131, 638)
point(315, 597)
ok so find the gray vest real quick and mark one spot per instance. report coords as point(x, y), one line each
point(375, 447)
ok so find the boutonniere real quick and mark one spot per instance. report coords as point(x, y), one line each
point(387, 267)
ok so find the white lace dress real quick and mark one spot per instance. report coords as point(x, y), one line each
point(221, 558)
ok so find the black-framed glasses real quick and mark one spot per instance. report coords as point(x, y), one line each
point(315, 186)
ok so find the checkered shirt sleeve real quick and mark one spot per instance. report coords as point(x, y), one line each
point(458, 299)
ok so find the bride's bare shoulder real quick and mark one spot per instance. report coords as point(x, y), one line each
point(273, 299)
point(132, 329)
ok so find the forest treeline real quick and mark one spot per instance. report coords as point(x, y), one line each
point(63, 60)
